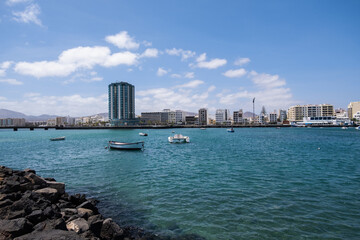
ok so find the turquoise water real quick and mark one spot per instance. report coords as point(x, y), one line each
point(256, 183)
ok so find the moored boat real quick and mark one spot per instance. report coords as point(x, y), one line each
point(344, 128)
point(357, 128)
point(143, 134)
point(57, 139)
point(231, 130)
point(126, 146)
point(178, 138)
point(202, 128)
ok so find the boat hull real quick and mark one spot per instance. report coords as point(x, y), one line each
point(57, 139)
point(126, 146)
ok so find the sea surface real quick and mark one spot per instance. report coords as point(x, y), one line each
point(255, 183)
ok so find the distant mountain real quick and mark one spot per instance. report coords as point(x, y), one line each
point(4, 113)
point(248, 114)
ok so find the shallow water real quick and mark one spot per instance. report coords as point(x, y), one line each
point(255, 183)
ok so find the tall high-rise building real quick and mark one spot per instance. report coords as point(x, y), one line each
point(203, 116)
point(121, 103)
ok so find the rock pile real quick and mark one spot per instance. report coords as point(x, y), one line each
point(32, 207)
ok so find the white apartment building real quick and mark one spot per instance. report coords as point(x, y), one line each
point(282, 115)
point(298, 112)
point(222, 116)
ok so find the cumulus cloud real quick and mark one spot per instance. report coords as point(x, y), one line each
point(237, 73)
point(73, 105)
point(186, 97)
point(265, 80)
point(11, 81)
point(74, 59)
point(191, 84)
point(189, 75)
point(242, 61)
point(150, 53)
point(29, 15)
point(13, 2)
point(161, 72)
point(212, 64)
point(2, 72)
point(122, 40)
point(270, 91)
point(175, 75)
point(185, 54)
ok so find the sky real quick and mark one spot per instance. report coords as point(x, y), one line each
point(58, 57)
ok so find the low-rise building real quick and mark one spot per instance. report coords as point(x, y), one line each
point(12, 122)
point(353, 109)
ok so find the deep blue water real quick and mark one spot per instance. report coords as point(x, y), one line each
point(256, 183)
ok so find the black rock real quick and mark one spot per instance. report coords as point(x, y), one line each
point(51, 235)
point(110, 230)
point(14, 228)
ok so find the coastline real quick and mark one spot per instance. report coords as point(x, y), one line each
point(32, 207)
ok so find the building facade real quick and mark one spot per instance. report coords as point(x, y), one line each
point(282, 115)
point(10, 122)
point(273, 117)
point(298, 112)
point(203, 116)
point(222, 116)
point(238, 116)
point(121, 103)
point(353, 108)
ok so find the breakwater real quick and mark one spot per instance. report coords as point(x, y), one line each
point(32, 207)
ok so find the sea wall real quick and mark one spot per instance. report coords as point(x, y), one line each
point(32, 207)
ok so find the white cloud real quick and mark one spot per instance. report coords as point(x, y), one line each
point(270, 92)
point(189, 75)
point(146, 43)
point(150, 53)
point(29, 15)
point(2, 72)
point(212, 64)
point(11, 81)
point(237, 73)
point(191, 84)
point(185, 97)
point(175, 75)
point(122, 40)
point(161, 72)
point(13, 2)
point(242, 61)
point(73, 105)
point(185, 54)
point(74, 59)
point(2, 98)
point(265, 80)
point(5, 65)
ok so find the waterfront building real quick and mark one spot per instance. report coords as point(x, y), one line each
point(326, 120)
point(282, 115)
point(222, 116)
point(357, 116)
point(10, 122)
point(298, 112)
point(203, 116)
point(273, 117)
point(180, 117)
point(353, 108)
point(122, 104)
point(60, 121)
point(191, 120)
point(238, 116)
point(155, 117)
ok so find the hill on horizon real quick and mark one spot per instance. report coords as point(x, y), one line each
point(5, 113)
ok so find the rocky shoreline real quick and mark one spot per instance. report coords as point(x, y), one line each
point(32, 207)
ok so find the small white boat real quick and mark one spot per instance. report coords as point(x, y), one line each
point(126, 146)
point(202, 128)
point(143, 134)
point(178, 138)
point(344, 128)
point(230, 130)
point(357, 128)
point(57, 139)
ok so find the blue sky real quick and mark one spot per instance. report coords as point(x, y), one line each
point(58, 57)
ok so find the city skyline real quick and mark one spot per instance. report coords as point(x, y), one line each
point(178, 55)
